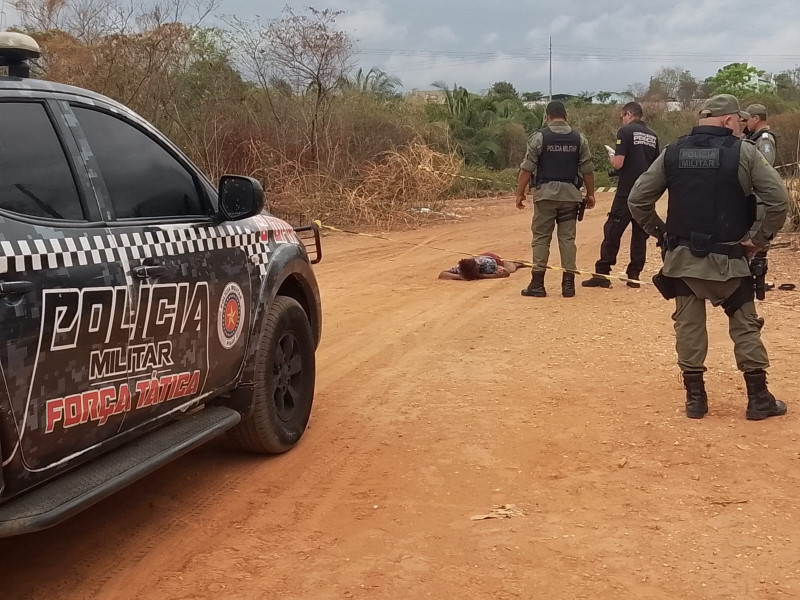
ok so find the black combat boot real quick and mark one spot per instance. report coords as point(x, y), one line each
point(568, 285)
point(633, 284)
point(595, 281)
point(535, 288)
point(696, 398)
point(761, 404)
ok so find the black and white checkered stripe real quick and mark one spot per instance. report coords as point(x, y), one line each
point(90, 249)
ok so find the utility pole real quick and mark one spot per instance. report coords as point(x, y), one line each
point(550, 98)
point(2, 15)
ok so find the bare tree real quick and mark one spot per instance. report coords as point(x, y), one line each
point(251, 42)
point(312, 56)
point(672, 83)
point(130, 52)
point(638, 91)
point(85, 20)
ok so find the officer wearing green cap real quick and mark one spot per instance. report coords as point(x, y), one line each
point(706, 242)
point(558, 158)
point(760, 133)
point(757, 132)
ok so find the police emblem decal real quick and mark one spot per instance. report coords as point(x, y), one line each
point(230, 319)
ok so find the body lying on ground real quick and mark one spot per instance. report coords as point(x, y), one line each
point(487, 265)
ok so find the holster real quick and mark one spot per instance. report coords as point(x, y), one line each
point(744, 293)
point(670, 287)
point(758, 268)
point(582, 209)
point(700, 244)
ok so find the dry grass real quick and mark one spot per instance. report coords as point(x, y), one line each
point(380, 196)
point(412, 177)
point(793, 185)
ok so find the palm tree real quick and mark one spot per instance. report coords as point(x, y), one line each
point(457, 101)
point(375, 82)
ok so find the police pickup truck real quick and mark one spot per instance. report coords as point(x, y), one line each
point(143, 311)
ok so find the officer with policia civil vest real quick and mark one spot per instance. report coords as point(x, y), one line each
point(560, 161)
point(635, 151)
point(706, 242)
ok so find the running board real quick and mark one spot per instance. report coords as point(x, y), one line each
point(76, 490)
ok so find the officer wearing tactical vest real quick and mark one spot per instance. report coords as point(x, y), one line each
point(711, 176)
point(557, 156)
point(760, 133)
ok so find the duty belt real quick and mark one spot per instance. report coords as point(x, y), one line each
point(729, 250)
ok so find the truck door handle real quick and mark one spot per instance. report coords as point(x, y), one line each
point(148, 271)
point(9, 288)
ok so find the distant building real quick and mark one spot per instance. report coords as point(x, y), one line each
point(427, 96)
point(766, 80)
point(612, 98)
point(598, 98)
point(543, 101)
point(531, 104)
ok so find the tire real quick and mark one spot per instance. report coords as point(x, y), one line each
point(284, 390)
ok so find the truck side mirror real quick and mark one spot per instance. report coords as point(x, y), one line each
point(240, 197)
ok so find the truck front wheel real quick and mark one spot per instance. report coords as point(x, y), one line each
point(285, 374)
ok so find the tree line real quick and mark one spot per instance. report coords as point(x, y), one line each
point(283, 100)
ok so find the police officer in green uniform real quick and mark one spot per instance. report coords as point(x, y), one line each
point(765, 140)
point(711, 177)
point(558, 158)
point(759, 132)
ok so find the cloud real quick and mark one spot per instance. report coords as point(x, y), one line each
point(475, 75)
point(442, 33)
point(369, 23)
point(597, 44)
point(541, 35)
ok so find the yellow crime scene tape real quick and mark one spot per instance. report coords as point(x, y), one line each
point(523, 263)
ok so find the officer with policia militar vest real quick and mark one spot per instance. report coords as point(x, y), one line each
point(706, 243)
point(560, 162)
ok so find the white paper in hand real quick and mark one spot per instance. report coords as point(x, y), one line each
point(611, 151)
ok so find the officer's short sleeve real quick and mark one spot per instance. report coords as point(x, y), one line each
point(585, 163)
point(532, 152)
point(623, 141)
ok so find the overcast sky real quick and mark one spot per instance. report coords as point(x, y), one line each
point(597, 44)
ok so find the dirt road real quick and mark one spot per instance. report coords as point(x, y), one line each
point(438, 401)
